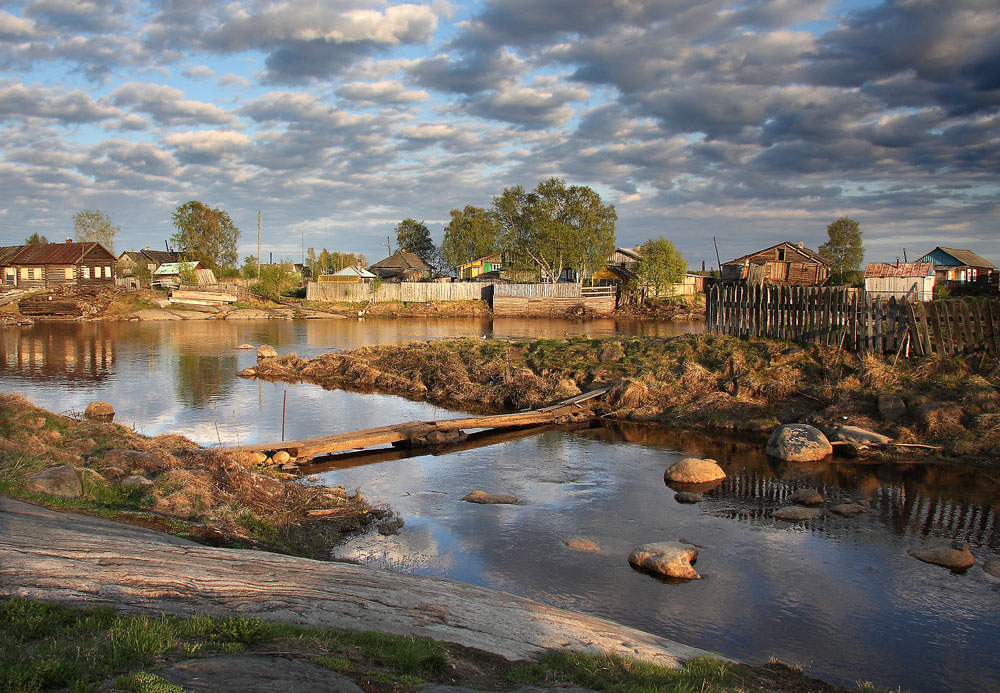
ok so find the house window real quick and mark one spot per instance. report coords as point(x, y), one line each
point(69, 272)
point(107, 272)
point(781, 254)
point(86, 272)
point(36, 272)
point(24, 273)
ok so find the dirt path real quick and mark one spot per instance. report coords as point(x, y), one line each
point(79, 559)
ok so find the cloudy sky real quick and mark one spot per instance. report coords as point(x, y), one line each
point(752, 122)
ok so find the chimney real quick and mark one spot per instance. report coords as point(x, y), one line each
point(802, 244)
point(69, 240)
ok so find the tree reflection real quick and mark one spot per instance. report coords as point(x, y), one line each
point(202, 379)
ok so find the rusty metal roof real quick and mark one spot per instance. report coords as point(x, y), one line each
point(56, 253)
point(904, 269)
point(7, 252)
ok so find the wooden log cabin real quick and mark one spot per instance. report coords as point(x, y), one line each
point(51, 265)
point(782, 264)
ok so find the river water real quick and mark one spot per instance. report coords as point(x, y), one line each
point(838, 597)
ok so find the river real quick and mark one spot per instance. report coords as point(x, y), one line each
point(838, 597)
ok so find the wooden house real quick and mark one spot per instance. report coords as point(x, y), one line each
point(402, 266)
point(349, 275)
point(151, 259)
point(484, 265)
point(169, 273)
point(782, 264)
point(50, 265)
point(8, 273)
point(961, 269)
point(909, 280)
point(626, 258)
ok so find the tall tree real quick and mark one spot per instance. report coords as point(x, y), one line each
point(206, 235)
point(95, 225)
point(471, 234)
point(661, 264)
point(414, 237)
point(555, 227)
point(35, 238)
point(843, 249)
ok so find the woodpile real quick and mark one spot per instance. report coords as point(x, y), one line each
point(68, 302)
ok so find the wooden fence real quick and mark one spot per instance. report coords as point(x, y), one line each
point(853, 319)
point(420, 292)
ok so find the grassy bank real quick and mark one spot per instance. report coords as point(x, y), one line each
point(50, 647)
point(693, 380)
point(168, 483)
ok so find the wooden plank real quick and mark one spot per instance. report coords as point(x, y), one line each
point(934, 323)
point(916, 341)
point(978, 318)
point(968, 330)
point(992, 325)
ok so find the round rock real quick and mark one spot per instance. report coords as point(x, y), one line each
point(136, 480)
point(57, 481)
point(245, 346)
point(281, 457)
point(688, 497)
point(847, 509)
point(805, 496)
point(891, 407)
point(954, 555)
point(796, 513)
point(99, 411)
point(670, 558)
point(798, 443)
point(490, 498)
point(266, 351)
point(694, 470)
point(582, 544)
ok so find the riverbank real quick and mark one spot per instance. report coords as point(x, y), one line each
point(169, 483)
point(946, 406)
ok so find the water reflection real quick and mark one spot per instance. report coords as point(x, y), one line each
point(76, 354)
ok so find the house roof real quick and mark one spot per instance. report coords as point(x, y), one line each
point(964, 257)
point(354, 271)
point(402, 259)
point(175, 267)
point(161, 256)
point(810, 254)
point(905, 269)
point(630, 252)
point(55, 253)
point(7, 252)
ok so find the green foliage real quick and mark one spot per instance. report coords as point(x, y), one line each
point(95, 225)
point(555, 227)
point(843, 249)
point(327, 262)
point(471, 234)
point(276, 279)
point(35, 238)
point(206, 235)
point(661, 265)
point(249, 270)
point(414, 237)
point(146, 682)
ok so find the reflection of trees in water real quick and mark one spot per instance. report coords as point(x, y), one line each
point(908, 498)
point(63, 352)
point(201, 379)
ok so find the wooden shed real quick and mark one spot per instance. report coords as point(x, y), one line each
point(782, 264)
point(484, 265)
point(910, 280)
point(351, 274)
point(50, 265)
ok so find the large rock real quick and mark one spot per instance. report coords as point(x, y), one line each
point(855, 434)
point(670, 558)
point(247, 672)
point(99, 411)
point(694, 470)
point(798, 443)
point(490, 498)
point(805, 496)
point(954, 555)
point(57, 481)
point(847, 509)
point(610, 354)
point(136, 460)
point(992, 568)
point(796, 513)
point(688, 497)
point(266, 351)
point(136, 480)
point(891, 407)
point(582, 544)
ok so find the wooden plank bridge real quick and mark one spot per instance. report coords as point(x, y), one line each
point(417, 433)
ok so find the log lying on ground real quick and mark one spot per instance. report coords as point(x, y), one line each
point(78, 559)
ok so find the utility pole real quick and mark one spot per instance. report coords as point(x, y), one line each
point(717, 258)
point(904, 255)
point(258, 245)
point(387, 245)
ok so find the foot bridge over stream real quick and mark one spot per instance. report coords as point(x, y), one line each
point(420, 433)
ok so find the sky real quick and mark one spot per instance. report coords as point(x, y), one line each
point(742, 123)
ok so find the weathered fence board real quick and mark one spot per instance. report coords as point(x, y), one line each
point(854, 319)
point(417, 292)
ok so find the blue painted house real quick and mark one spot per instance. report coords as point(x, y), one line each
point(961, 269)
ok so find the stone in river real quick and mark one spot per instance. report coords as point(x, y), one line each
point(847, 509)
point(694, 470)
point(805, 496)
point(582, 544)
point(796, 513)
point(99, 411)
point(266, 351)
point(954, 555)
point(669, 558)
point(688, 497)
point(798, 443)
point(490, 498)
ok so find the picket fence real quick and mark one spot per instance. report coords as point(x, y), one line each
point(853, 320)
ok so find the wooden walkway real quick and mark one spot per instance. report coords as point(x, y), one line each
point(416, 433)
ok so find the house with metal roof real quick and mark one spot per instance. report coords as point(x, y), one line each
point(480, 266)
point(352, 274)
point(912, 281)
point(961, 269)
point(50, 265)
point(151, 259)
point(8, 273)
